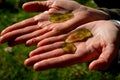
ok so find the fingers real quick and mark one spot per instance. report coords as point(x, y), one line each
point(34, 41)
point(104, 59)
point(52, 52)
point(20, 25)
point(45, 52)
point(51, 40)
point(23, 38)
point(17, 33)
point(53, 56)
point(32, 60)
point(36, 6)
point(55, 62)
point(46, 48)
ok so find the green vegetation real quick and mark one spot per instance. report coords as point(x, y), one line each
point(12, 61)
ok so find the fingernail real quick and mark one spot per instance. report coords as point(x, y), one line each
point(27, 44)
point(36, 67)
point(2, 32)
point(26, 62)
point(31, 54)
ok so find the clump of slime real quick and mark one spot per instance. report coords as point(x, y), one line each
point(76, 36)
point(69, 48)
point(59, 17)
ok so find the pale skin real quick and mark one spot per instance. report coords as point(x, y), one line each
point(99, 49)
point(30, 31)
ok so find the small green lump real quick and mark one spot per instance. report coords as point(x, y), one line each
point(78, 35)
point(58, 17)
point(69, 48)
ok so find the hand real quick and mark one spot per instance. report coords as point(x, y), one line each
point(30, 31)
point(100, 49)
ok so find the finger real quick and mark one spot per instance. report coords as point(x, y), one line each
point(20, 25)
point(56, 62)
point(16, 33)
point(46, 48)
point(23, 38)
point(32, 60)
point(82, 54)
point(51, 40)
point(34, 41)
point(36, 6)
point(104, 59)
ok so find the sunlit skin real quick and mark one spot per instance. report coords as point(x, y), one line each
point(99, 50)
point(50, 37)
point(39, 27)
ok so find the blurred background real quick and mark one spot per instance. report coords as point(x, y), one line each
point(12, 58)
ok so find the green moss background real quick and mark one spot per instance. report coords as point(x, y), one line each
point(11, 62)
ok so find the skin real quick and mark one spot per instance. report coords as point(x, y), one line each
point(99, 50)
point(30, 31)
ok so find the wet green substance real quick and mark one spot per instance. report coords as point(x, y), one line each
point(78, 35)
point(58, 17)
point(69, 48)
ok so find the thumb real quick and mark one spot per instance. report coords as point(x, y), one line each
point(36, 6)
point(99, 64)
point(105, 59)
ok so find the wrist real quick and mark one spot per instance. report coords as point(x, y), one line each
point(117, 23)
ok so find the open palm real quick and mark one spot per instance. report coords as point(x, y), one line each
point(30, 31)
point(100, 49)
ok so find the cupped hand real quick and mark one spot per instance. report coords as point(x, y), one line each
point(33, 30)
point(99, 50)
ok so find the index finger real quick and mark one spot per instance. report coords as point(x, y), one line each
point(19, 25)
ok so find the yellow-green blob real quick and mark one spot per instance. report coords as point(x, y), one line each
point(69, 48)
point(58, 17)
point(78, 35)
